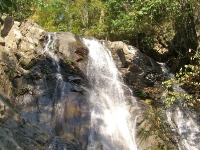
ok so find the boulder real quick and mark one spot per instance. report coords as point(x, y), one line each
point(16, 132)
point(134, 65)
point(8, 23)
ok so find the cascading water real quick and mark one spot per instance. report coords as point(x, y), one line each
point(183, 122)
point(59, 87)
point(186, 130)
point(57, 118)
point(110, 128)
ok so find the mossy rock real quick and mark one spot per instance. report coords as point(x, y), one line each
point(29, 65)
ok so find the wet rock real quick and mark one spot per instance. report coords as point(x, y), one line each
point(135, 69)
point(77, 88)
point(72, 49)
point(82, 53)
point(137, 64)
point(57, 144)
point(75, 79)
point(151, 78)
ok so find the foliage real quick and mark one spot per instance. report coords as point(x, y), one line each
point(33, 76)
point(29, 65)
point(132, 17)
point(187, 78)
point(5, 5)
point(156, 125)
point(22, 91)
point(80, 17)
point(19, 9)
point(140, 93)
point(69, 61)
point(22, 9)
point(174, 95)
point(112, 19)
point(45, 71)
point(10, 72)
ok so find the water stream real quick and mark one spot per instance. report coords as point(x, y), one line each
point(112, 127)
point(183, 122)
point(58, 101)
point(57, 116)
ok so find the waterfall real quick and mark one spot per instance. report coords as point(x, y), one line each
point(112, 127)
point(183, 122)
point(58, 102)
point(186, 130)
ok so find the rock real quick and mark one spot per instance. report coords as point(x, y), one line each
point(8, 23)
point(121, 50)
point(76, 88)
point(135, 69)
point(82, 53)
point(65, 42)
point(75, 79)
point(7, 140)
point(2, 41)
point(71, 48)
point(57, 144)
point(152, 78)
point(16, 132)
point(136, 63)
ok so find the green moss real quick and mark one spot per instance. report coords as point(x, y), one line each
point(156, 125)
point(55, 51)
point(32, 76)
point(45, 71)
point(36, 44)
point(69, 61)
point(22, 91)
point(29, 65)
point(10, 72)
point(140, 93)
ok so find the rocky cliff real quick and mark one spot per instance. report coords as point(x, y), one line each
point(44, 90)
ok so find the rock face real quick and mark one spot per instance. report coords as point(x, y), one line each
point(44, 89)
point(138, 69)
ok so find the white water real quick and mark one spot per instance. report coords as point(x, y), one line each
point(58, 94)
point(186, 130)
point(111, 125)
point(183, 123)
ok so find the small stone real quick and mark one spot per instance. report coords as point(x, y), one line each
point(8, 23)
point(75, 79)
point(76, 88)
point(2, 41)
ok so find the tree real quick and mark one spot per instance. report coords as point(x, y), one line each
point(81, 17)
point(5, 5)
point(19, 9)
